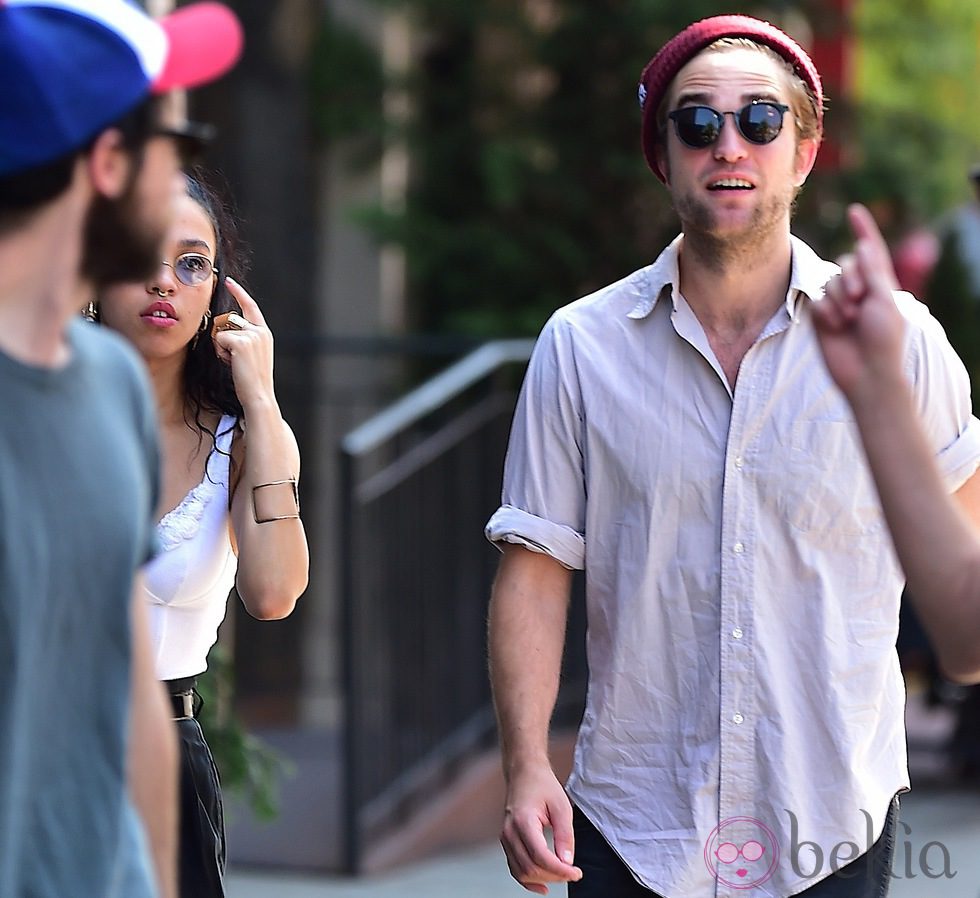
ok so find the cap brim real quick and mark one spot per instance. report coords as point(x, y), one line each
point(205, 41)
point(192, 138)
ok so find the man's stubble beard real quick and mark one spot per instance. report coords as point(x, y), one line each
point(120, 243)
point(720, 251)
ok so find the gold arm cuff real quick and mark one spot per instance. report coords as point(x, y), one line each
point(275, 517)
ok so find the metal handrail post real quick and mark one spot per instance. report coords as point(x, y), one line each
point(349, 628)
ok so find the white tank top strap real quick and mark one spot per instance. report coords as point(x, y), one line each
point(219, 461)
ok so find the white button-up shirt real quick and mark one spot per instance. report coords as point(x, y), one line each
point(741, 585)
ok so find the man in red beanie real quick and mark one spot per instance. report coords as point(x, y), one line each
point(90, 139)
point(679, 438)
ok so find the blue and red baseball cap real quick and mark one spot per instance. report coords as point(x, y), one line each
point(71, 68)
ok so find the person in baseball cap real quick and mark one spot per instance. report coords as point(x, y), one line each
point(70, 68)
point(679, 437)
point(91, 129)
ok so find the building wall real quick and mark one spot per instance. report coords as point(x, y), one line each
point(323, 285)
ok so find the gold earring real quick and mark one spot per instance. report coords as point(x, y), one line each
point(91, 311)
point(203, 329)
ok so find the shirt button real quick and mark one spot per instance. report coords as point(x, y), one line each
point(737, 632)
point(737, 718)
point(739, 548)
point(739, 462)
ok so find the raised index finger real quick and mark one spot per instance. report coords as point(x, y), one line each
point(873, 255)
point(250, 308)
point(866, 232)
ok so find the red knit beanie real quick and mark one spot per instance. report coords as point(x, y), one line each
point(681, 48)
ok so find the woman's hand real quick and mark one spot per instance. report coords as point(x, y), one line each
point(273, 556)
point(859, 326)
point(248, 348)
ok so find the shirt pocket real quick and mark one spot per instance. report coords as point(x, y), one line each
point(829, 494)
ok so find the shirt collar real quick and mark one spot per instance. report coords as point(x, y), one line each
point(808, 275)
point(656, 278)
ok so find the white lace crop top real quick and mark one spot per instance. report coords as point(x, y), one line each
point(187, 584)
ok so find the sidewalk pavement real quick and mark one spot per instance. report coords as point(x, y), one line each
point(478, 873)
point(933, 822)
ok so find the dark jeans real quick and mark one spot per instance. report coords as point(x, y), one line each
point(604, 875)
point(202, 827)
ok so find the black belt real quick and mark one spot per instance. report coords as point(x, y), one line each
point(183, 703)
point(183, 698)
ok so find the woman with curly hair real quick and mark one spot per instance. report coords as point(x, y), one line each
point(229, 511)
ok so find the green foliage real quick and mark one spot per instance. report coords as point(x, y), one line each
point(347, 85)
point(916, 82)
point(248, 768)
point(528, 187)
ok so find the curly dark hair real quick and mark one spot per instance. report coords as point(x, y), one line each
point(208, 384)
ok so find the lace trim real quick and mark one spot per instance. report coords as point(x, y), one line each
point(184, 521)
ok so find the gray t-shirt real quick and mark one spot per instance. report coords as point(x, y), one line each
point(78, 488)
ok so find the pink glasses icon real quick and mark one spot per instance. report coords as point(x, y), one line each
point(727, 852)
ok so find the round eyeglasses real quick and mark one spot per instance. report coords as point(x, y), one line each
point(758, 122)
point(191, 269)
point(728, 852)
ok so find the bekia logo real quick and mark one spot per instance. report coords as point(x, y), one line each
point(809, 859)
point(741, 852)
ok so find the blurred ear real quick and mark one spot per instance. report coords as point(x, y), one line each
point(109, 164)
point(660, 152)
point(806, 156)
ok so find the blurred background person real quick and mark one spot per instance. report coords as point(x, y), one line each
point(228, 514)
point(953, 296)
point(953, 288)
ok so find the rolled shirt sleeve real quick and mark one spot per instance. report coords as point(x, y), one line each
point(543, 499)
point(942, 394)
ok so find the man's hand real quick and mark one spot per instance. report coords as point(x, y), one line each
point(536, 801)
point(859, 327)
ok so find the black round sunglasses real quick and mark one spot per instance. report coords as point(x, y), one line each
point(700, 126)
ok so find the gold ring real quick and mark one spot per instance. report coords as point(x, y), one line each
point(229, 321)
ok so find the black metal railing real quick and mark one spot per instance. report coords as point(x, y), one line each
point(418, 482)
